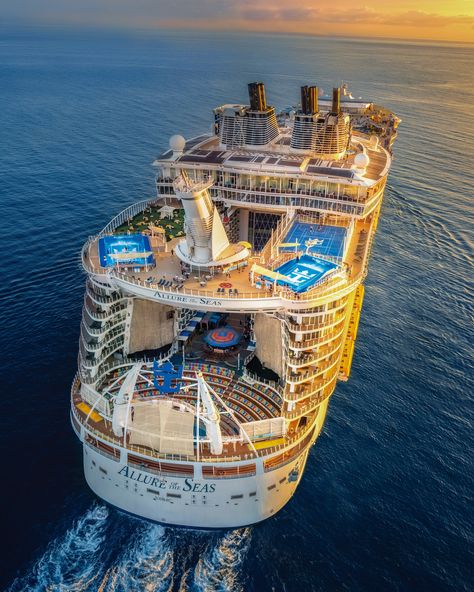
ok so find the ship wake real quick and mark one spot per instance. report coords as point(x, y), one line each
point(107, 552)
point(145, 564)
point(73, 561)
point(219, 569)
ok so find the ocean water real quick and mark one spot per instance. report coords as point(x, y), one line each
point(386, 500)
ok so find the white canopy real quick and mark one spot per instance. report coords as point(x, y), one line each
point(163, 426)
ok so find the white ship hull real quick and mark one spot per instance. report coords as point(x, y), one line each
point(192, 503)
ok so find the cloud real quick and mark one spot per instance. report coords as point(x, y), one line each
point(332, 16)
point(352, 15)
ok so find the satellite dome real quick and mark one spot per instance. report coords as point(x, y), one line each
point(177, 143)
point(361, 160)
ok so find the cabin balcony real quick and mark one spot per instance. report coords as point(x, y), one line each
point(309, 343)
point(303, 328)
point(90, 361)
point(308, 359)
point(98, 315)
point(309, 405)
point(97, 345)
point(103, 301)
point(313, 389)
point(301, 377)
point(99, 329)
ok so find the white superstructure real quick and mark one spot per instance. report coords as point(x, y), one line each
point(219, 316)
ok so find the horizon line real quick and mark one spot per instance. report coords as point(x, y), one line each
point(27, 23)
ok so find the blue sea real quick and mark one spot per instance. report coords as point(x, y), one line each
point(386, 501)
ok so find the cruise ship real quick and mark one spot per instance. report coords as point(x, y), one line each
point(219, 315)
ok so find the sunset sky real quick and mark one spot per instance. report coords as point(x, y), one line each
point(448, 20)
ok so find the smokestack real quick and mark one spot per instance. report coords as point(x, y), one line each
point(305, 100)
point(313, 99)
point(309, 100)
point(257, 98)
point(336, 101)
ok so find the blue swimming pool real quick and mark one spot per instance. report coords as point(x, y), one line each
point(329, 240)
point(304, 272)
point(132, 249)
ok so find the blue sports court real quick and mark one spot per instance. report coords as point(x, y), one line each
point(133, 249)
point(329, 240)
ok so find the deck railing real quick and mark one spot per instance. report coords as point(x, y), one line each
point(290, 200)
point(333, 281)
point(127, 214)
point(276, 192)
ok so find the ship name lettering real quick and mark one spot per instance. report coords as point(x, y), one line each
point(141, 478)
point(189, 485)
point(186, 299)
point(211, 302)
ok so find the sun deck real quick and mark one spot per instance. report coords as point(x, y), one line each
point(166, 277)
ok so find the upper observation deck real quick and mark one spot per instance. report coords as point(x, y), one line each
point(343, 140)
point(277, 158)
point(317, 157)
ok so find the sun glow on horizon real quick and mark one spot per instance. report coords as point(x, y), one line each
point(441, 20)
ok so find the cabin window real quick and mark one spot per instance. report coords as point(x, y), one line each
point(154, 491)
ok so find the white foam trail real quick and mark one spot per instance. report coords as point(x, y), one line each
point(146, 564)
point(219, 569)
point(70, 563)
